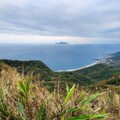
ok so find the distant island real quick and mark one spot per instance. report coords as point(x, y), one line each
point(62, 43)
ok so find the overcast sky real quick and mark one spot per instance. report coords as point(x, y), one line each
point(50, 21)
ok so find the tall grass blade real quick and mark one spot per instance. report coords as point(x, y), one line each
point(70, 93)
point(21, 86)
point(28, 85)
point(81, 117)
point(67, 88)
point(86, 101)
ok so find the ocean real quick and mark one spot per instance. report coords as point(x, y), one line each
point(58, 57)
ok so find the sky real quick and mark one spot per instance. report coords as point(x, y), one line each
point(51, 21)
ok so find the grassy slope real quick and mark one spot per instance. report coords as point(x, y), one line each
point(10, 94)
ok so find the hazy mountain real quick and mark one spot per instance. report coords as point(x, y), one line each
point(62, 43)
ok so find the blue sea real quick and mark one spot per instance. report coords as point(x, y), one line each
point(58, 57)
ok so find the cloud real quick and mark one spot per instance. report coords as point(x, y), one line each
point(93, 19)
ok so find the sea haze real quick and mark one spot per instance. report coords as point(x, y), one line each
point(58, 57)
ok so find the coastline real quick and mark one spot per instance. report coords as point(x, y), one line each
point(101, 59)
point(72, 70)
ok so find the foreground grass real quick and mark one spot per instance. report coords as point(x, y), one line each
point(23, 99)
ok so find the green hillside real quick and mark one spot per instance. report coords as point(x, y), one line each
point(99, 72)
point(113, 81)
point(40, 72)
point(33, 66)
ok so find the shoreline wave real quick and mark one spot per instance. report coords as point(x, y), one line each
point(72, 70)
